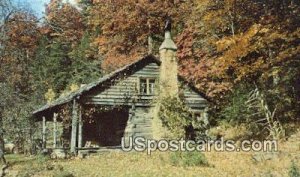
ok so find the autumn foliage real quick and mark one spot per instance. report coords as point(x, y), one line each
point(123, 27)
point(223, 46)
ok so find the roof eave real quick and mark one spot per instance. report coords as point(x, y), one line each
point(90, 86)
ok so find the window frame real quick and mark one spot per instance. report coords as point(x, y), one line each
point(147, 85)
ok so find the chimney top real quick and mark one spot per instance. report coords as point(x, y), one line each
point(168, 42)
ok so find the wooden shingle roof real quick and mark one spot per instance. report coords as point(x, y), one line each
point(76, 94)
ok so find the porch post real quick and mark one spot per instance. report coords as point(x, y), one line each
point(44, 132)
point(205, 117)
point(74, 126)
point(80, 126)
point(54, 130)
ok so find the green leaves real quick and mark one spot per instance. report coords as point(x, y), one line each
point(175, 115)
point(85, 68)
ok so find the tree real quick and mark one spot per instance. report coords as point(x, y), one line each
point(5, 12)
point(64, 23)
point(124, 27)
point(19, 33)
point(85, 67)
point(18, 48)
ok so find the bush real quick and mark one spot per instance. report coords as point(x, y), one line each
point(174, 115)
point(235, 110)
point(188, 159)
point(294, 170)
point(177, 117)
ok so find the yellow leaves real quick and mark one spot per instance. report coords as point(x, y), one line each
point(55, 34)
point(50, 95)
point(253, 30)
point(224, 43)
point(202, 4)
point(100, 40)
point(234, 48)
point(264, 30)
point(276, 35)
point(73, 87)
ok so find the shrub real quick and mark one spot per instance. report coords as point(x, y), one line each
point(174, 115)
point(251, 105)
point(188, 159)
point(177, 117)
point(235, 110)
point(294, 170)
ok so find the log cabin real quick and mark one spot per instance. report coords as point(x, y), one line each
point(123, 103)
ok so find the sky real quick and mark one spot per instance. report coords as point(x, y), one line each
point(38, 6)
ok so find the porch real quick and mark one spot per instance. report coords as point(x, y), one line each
point(90, 128)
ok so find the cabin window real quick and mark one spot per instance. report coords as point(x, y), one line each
point(143, 86)
point(151, 86)
point(147, 86)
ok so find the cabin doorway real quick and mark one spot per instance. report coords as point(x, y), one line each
point(107, 127)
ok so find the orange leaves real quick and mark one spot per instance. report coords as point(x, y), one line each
point(248, 55)
point(22, 30)
point(64, 22)
point(224, 43)
point(101, 40)
point(114, 61)
point(234, 49)
point(124, 26)
point(19, 45)
point(215, 59)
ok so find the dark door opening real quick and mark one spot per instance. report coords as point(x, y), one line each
point(107, 128)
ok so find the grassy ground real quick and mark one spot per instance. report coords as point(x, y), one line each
point(158, 164)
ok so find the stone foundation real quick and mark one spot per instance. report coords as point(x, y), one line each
point(139, 123)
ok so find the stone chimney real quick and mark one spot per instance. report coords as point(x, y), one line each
point(169, 68)
point(168, 82)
